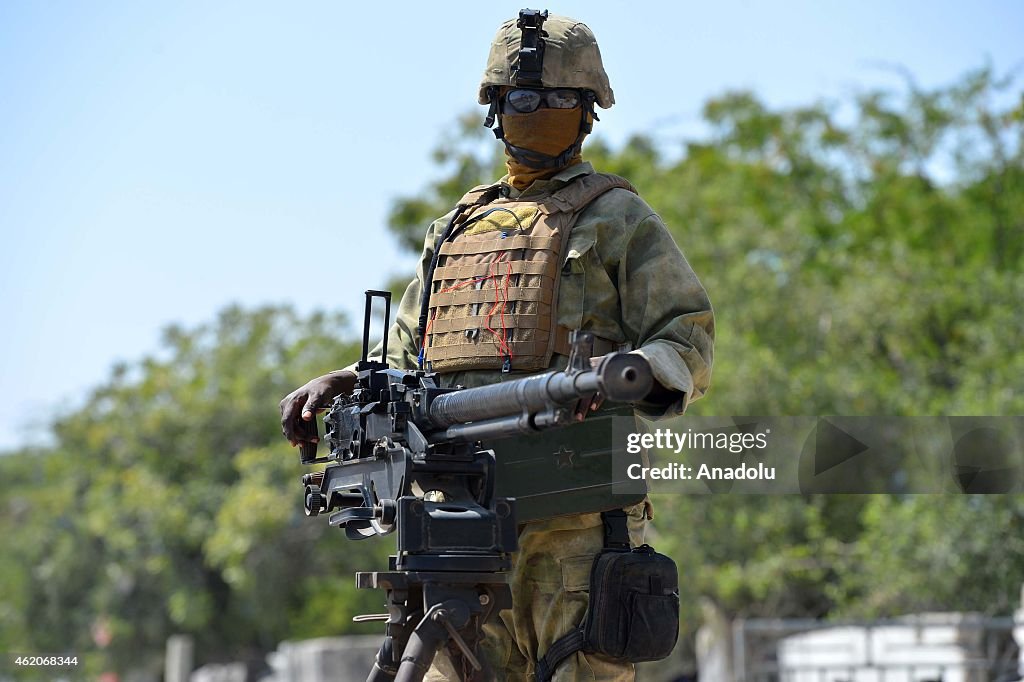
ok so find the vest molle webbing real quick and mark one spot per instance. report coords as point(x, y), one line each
point(494, 292)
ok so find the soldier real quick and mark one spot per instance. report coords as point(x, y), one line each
point(551, 247)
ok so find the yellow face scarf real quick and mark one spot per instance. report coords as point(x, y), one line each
point(548, 131)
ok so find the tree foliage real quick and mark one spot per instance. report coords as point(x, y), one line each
point(169, 504)
point(863, 258)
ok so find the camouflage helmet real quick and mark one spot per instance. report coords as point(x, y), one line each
point(571, 59)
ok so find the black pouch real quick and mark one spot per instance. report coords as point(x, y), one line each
point(634, 605)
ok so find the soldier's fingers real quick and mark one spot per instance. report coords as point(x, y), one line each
point(290, 412)
point(306, 431)
point(287, 430)
point(310, 408)
point(308, 425)
point(314, 403)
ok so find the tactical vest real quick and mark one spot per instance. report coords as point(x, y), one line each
point(493, 301)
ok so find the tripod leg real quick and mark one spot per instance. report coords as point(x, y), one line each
point(400, 621)
point(383, 668)
point(429, 636)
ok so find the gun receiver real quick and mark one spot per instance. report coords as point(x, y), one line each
point(400, 431)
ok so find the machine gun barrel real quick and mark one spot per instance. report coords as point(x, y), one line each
point(506, 408)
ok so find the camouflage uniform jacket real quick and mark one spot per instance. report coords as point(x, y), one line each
point(623, 279)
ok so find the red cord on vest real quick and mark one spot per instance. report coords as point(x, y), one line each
point(503, 347)
point(500, 298)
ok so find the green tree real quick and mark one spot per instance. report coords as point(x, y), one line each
point(171, 503)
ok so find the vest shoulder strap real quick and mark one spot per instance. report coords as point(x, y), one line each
point(480, 195)
point(582, 191)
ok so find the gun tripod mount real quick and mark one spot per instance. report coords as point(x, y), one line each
point(406, 456)
point(431, 609)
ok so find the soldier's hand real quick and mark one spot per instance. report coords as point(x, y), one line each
point(302, 404)
point(596, 400)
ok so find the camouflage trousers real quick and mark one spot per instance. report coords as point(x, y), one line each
point(550, 579)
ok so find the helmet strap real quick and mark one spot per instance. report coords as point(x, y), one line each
point(492, 111)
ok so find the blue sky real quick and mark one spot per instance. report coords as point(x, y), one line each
point(159, 161)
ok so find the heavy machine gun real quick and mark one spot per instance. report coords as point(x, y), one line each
point(408, 456)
